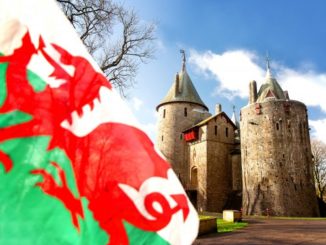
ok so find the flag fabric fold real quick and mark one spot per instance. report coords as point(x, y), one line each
point(75, 168)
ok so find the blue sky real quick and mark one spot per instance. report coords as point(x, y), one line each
point(226, 43)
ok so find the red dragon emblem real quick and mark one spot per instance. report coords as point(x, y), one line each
point(110, 155)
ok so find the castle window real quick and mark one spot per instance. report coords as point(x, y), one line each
point(227, 132)
point(185, 112)
point(181, 136)
point(164, 113)
point(277, 126)
point(194, 177)
point(191, 135)
point(215, 130)
point(162, 138)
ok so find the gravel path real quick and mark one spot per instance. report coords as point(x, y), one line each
point(272, 231)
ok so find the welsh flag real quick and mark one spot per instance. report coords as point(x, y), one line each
point(74, 166)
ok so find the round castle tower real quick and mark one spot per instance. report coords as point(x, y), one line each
point(276, 154)
point(181, 108)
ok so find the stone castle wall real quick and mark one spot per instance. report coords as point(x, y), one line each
point(198, 160)
point(210, 154)
point(174, 118)
point(219, 176)
point(276, 160)
point(236, 172)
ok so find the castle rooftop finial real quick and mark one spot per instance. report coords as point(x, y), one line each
point(234, 118)
point(183, 90)
point(183, 59)
point(268, 67)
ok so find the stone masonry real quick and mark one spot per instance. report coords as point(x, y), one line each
point(273, 170)
point(210, 154)
point(276, 155)
point(172, 122)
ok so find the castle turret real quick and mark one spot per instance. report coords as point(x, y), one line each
point(270, 88)
point(234, 118)
point(180, 109)
point(276, 155)
point(252, 92)
point(218, 108)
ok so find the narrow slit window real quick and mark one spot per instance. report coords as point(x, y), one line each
point(162, 137)
point(186, 112)
point(215, 130)
point(227, 132)
point(277, 126)
point(164, 111)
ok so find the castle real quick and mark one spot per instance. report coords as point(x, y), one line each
point(261, 164)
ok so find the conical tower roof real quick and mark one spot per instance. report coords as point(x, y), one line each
point(182, 90)
point(270, 89)
point(234, 118)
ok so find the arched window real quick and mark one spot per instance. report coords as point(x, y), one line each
point(185, 112)
point(194, 177)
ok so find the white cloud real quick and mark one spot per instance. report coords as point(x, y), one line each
point(136, 103)
point(234, 69)
point(150, 129)
point(146, 123)
point(156, 115)
point(319, 129)
point(308, 87)
point(159, 45)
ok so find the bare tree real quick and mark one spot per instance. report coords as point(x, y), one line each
point(318, 150)
point(114, 35)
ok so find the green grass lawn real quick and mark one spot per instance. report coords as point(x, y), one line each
point(223, 226)
point(203, 217)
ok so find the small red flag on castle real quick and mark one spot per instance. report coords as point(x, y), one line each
point(74, 166)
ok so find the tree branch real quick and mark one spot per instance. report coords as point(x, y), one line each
point(115, 37)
